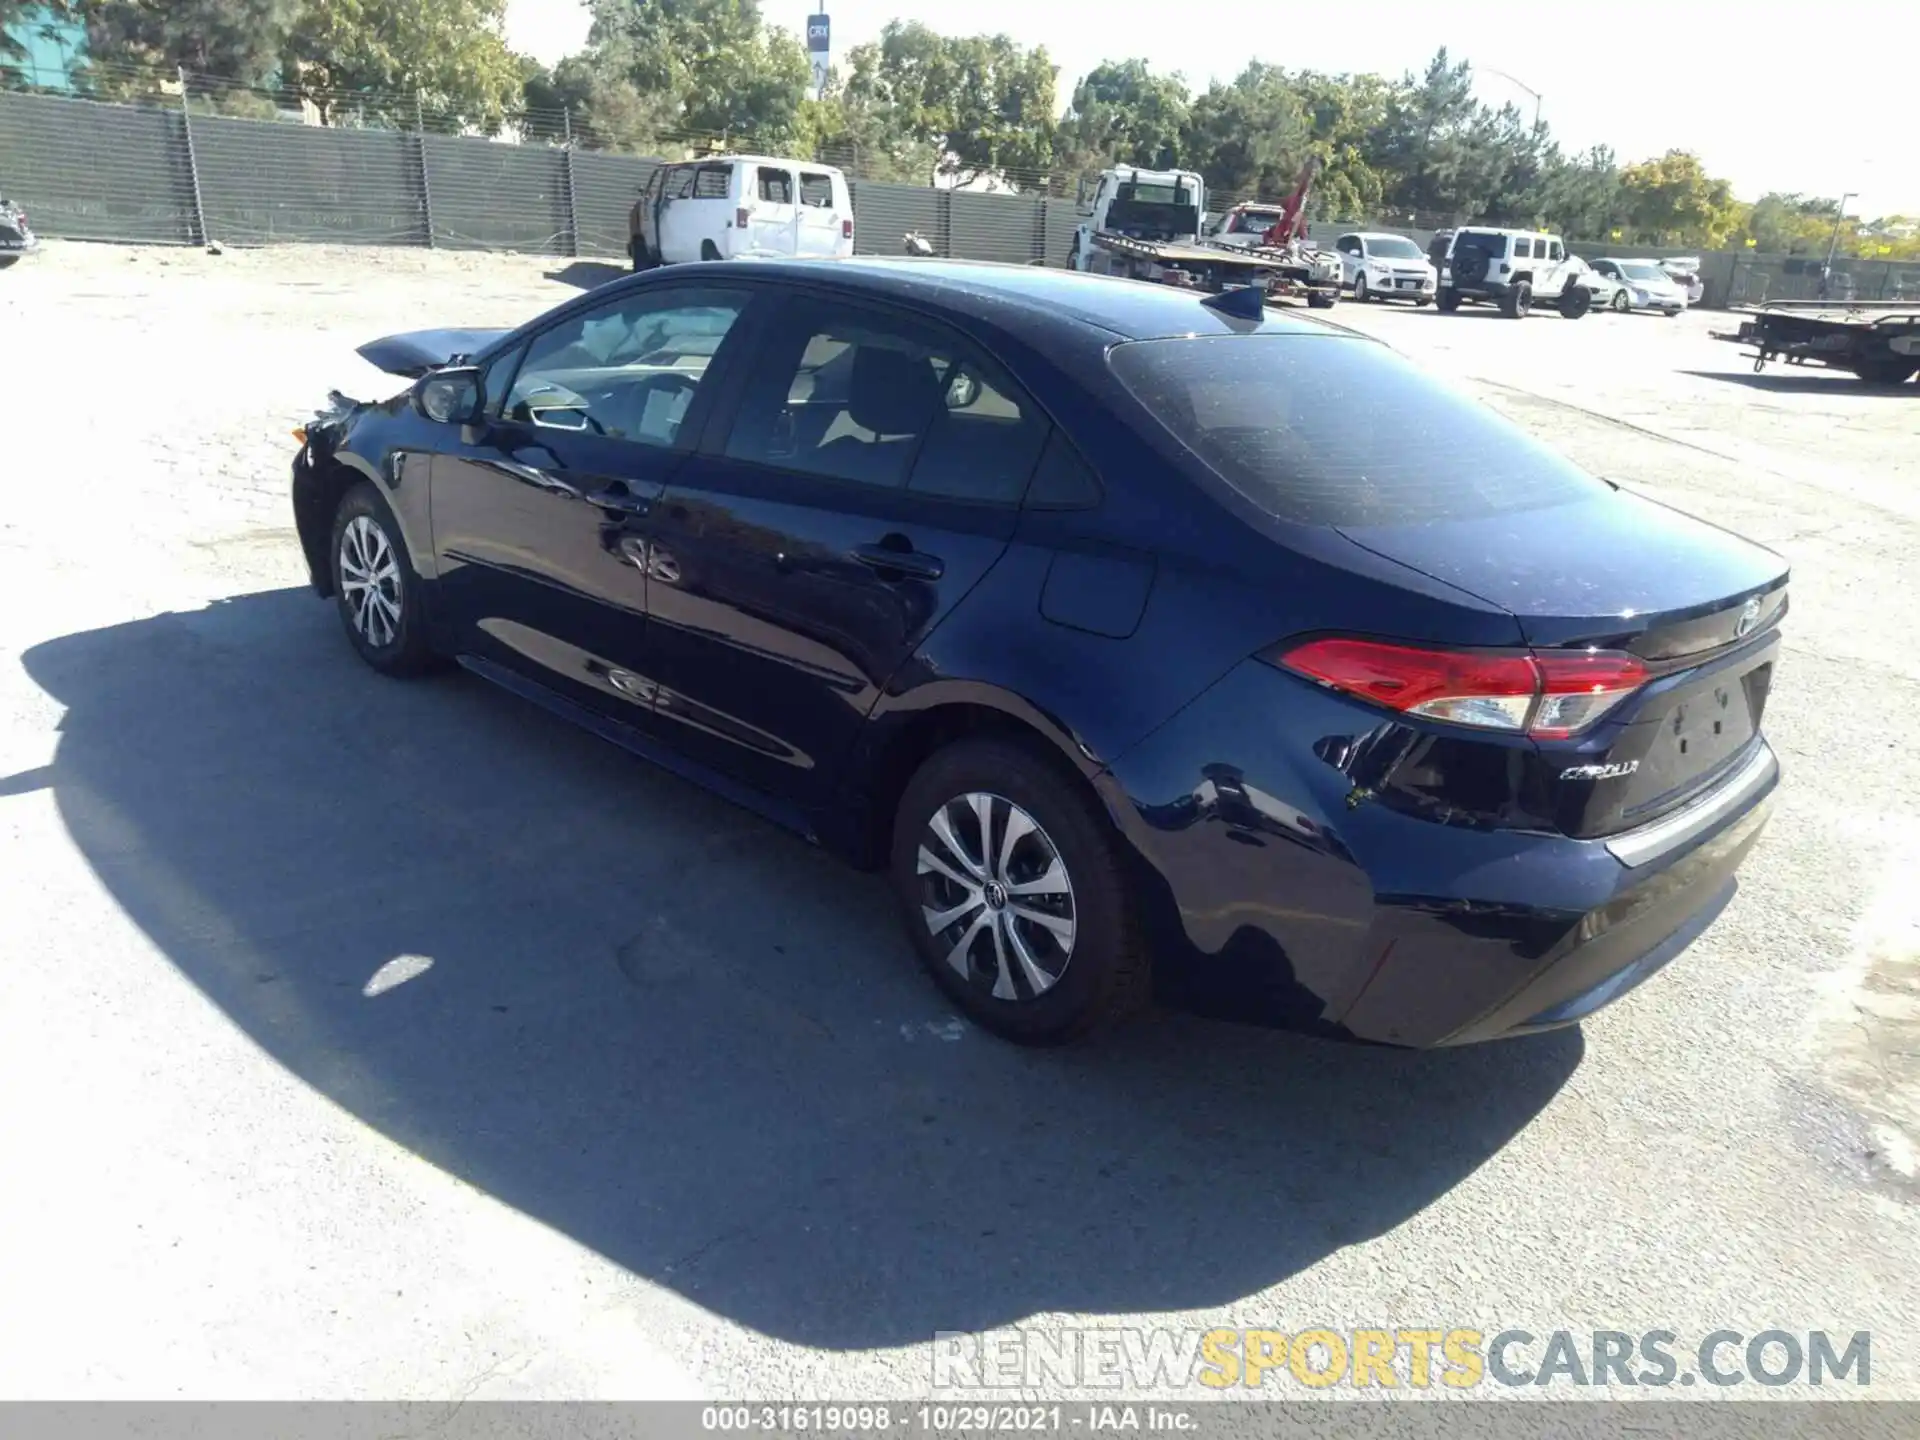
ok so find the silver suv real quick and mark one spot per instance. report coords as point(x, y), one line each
point(1514, 269)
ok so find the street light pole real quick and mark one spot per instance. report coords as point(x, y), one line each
point(1511, 80)
point(1833, 243)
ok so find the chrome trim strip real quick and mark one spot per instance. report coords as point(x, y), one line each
point(1651, 841)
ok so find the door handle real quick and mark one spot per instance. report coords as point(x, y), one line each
point(619, 500)
point(901, 561)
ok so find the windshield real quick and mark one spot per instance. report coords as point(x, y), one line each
point(1394, 247)
point(1289, 422)
point(1640, 270)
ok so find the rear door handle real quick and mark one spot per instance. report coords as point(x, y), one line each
point(901, 562)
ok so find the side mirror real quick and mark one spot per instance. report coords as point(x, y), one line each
point(450, 397)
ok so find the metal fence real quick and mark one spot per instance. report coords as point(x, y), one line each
point(88, 170)
point(155, 172)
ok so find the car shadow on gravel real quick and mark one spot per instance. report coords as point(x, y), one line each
point(686, 1039)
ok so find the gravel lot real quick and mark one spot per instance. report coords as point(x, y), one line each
point(671, 1113)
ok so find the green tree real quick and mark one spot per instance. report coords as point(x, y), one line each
point(710, 68)
point(1250, 137)
point(1424, 142)
point(1582, 195)
point(377, 59)
point(1122, 113)
point(981, 104)
point(1673, 201)
point(131, 42)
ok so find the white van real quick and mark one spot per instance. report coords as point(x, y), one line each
point(735, 205)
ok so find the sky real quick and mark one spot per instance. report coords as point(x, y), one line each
point(1734, 83)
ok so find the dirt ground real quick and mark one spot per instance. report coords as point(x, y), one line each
point(667, 1110)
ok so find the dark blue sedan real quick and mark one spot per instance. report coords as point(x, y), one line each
point(1156, 644)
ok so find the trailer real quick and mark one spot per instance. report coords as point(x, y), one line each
point(1878, 343)
point(1198, 267)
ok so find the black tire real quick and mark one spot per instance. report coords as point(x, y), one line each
point(1319, 300)
point(1421, 302)
point(1575, 301)
point(1891, 371)
point(1621, 302)
point(1103, 977)
point(403, 648)
point(1447, 301)
point(1360, 292)
point(709, 250)
point(8, 260)
point(1517, 301)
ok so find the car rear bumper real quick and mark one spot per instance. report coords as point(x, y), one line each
point(1280, 891)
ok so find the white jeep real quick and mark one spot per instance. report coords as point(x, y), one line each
point(1514, 269)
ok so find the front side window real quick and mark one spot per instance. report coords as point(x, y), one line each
point(1554, 250)
point(816, 190)
point(627, 370)
point(680, 182)
point(883, 401)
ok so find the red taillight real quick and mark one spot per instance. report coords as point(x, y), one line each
point(1550, 696)
point(741, 216)
point(846, 229)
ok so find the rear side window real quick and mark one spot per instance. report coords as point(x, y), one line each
point(712, 182)
point(680, 183)
point(776, 186)
point(882, 400)
point(816, 190)
point(1329, 431)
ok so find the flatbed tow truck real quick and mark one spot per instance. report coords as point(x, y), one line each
point(1145, 225)
point(1879, 343)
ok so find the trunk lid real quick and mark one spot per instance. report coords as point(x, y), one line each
point(1698, 605)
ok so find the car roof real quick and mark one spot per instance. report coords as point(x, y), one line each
point(756, 160)
point(1126, 309)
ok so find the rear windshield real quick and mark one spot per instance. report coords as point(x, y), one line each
point(1323, 430)
point(1481, 240)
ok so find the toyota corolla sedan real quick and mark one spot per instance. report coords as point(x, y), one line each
point(1099, 614)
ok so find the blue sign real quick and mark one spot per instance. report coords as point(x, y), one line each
point(818, 33)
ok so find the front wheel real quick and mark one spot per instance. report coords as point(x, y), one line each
point(1319, 300)
point(1575, 301)
point(1447, 300)
point(375, 587)
point(1360, 292)
point(1011, 883)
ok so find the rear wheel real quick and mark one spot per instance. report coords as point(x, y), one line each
point(1886, 372)
point(375, 587)
point(1517, 301)
point(1010, 881)
point(1447, 300)
point(709, 250)
point(1319, 300)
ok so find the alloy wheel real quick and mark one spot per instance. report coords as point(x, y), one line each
point(996, 897)
point(370, 581)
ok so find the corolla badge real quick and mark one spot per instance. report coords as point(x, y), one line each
point(1615, 771)
point(1749, 617)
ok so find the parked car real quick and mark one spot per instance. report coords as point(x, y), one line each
point(16, 236)
point(1685, 272)
point(1643, 285)
point(1608, 293)
point(1385, 267)
point(1513, 269)
point(741, 205)
point(1108, 618)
